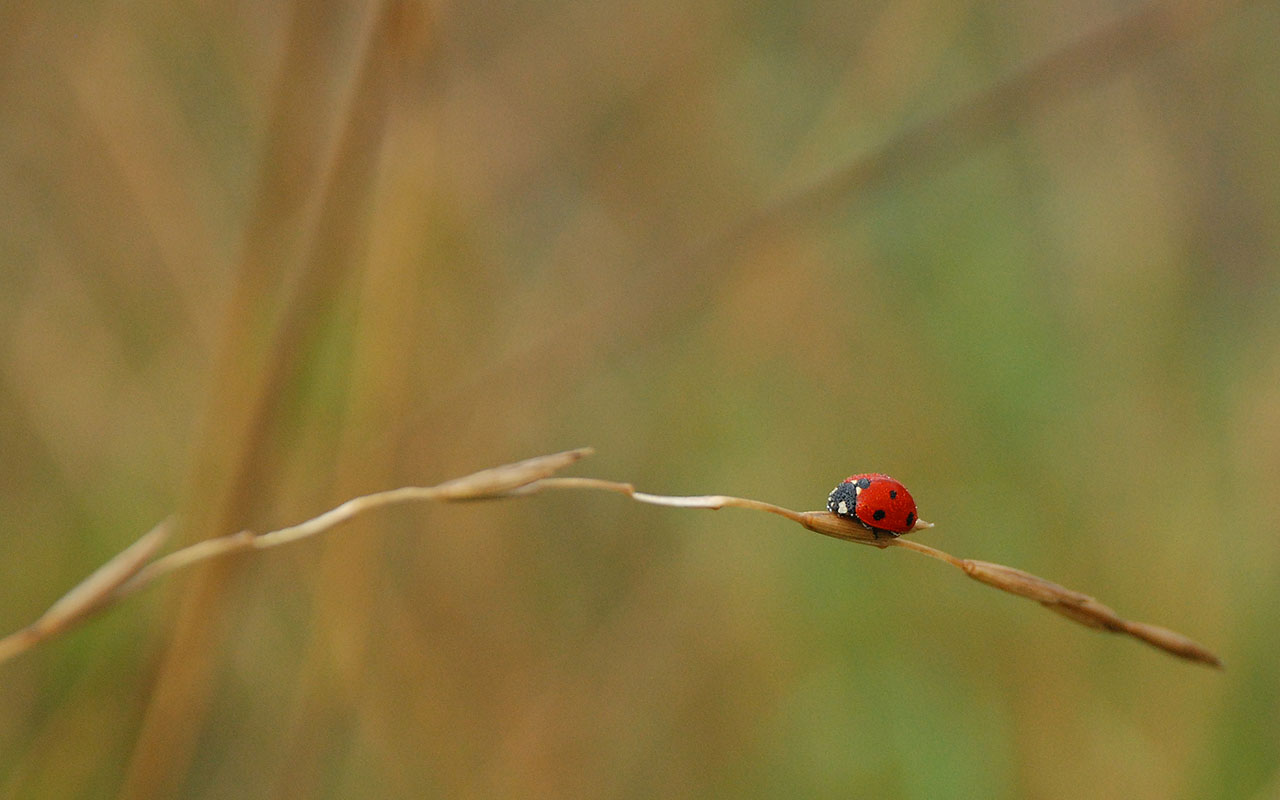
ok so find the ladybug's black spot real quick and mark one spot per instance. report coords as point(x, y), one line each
point(863, 483)
point(879, 515)
point(893, 494)
point(911, 520)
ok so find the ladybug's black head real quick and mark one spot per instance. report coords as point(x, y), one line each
point(842, 500)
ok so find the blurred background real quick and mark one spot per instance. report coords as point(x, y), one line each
point(257, 258)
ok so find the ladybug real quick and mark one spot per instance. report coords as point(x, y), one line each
point(875, 501)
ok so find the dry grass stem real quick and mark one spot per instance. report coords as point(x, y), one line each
point(134, 568)
point(1069, 603)
point(89, 595)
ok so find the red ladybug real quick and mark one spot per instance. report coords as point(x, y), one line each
point(876, 501)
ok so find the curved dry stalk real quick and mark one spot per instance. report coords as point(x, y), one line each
point(134, 568)
point(88, 596)
point(1071, 604)
point(707, 501)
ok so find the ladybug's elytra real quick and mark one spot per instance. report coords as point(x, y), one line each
point(876, 501)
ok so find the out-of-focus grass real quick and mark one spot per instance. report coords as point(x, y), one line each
point(1064, 336)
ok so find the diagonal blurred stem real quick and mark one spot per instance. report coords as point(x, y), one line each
point(953, 134)
point(669, 284)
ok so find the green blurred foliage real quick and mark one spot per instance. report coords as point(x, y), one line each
point(259, 258)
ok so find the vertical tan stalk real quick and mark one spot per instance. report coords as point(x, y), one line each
point(249, 380)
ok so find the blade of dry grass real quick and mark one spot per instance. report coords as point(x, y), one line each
point(1069, 603)
point(129, 572)
point(134, 569)
point(89, 595)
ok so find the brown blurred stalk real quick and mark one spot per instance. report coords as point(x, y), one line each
point(304, 239)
